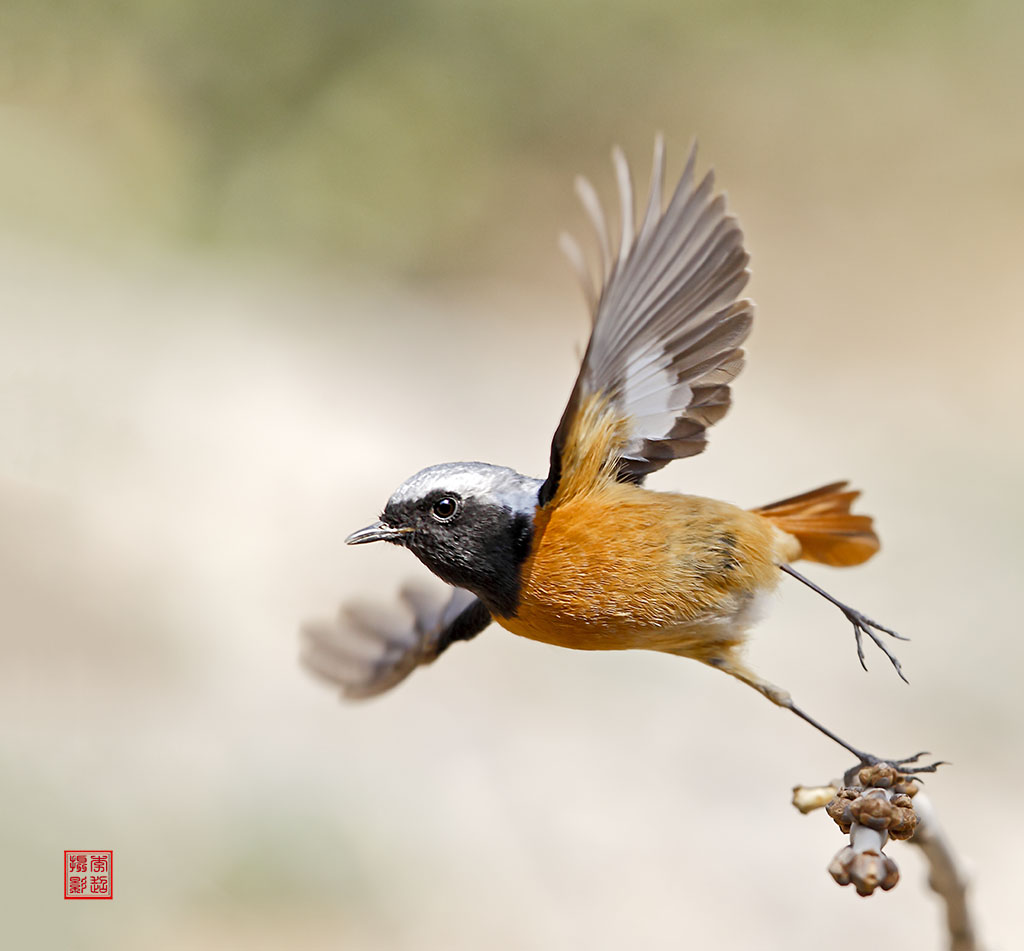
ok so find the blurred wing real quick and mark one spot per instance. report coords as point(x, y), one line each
point(367, 649)
point(667, 325)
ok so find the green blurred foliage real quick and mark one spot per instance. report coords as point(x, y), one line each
point(388, 132)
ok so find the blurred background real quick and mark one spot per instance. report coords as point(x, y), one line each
point(259, 262)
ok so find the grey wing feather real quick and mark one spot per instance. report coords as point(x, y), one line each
point(366, 650)
point(667, 324)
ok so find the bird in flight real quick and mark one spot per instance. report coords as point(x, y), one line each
point(587, 558)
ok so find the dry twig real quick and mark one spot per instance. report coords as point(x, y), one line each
point(887, 804)
point(946, 877)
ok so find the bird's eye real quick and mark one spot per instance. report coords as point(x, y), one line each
point(445, 509)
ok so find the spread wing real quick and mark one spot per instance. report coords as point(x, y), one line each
point(367, 650)
point(667, 325)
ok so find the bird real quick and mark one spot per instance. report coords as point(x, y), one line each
point(588, 558)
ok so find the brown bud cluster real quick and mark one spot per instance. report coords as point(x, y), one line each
point(839, 808)
point(884, 776)
point(872, 812)
point(866, 871)
point(872, 808)
point(904, 820)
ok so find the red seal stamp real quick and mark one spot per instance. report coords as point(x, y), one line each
point(88, 873)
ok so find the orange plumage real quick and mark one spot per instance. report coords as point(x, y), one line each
point(615, 566)
point(821, 521)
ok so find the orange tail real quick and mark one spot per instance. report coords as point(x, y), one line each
point(821, 521)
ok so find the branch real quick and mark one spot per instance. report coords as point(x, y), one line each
point(945, 876)
point(888, 804)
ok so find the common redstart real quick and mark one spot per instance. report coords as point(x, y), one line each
point(587, 557)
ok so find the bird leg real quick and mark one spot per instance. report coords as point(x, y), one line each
point(862, 624)
point(781, 698)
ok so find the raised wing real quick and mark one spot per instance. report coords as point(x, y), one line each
point(667, 325)
point(366, 650)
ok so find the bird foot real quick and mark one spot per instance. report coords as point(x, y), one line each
point(863, 625)
point(908, 765)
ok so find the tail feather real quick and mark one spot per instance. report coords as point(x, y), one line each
point(822, 523)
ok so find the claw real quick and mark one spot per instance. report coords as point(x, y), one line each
point(911, 759)
point(903, 765)
point(862, 624)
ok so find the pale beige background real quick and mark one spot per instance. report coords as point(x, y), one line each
point(258, 266)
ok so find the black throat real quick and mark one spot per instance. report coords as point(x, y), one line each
point(483, 551)
point(495, 542)
point(507, 562)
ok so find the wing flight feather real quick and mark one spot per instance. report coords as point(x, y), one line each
point(668, 324)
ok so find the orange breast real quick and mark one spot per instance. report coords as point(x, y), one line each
point(626, 567)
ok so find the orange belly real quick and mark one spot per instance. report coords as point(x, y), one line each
point(629, 568)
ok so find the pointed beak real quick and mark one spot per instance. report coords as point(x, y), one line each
point(377, 532)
